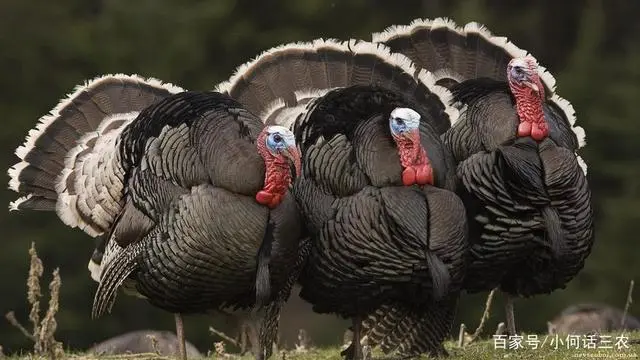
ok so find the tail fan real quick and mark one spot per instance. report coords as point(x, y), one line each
point(281, 81)
point(455, 54)
point(69, 161)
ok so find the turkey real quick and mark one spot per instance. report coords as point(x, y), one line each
point(524, 186)
point(188, 191)
point(377, 184)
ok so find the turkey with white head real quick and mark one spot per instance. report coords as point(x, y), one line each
point(376, 188)
point(189, 190)
point(515, 145)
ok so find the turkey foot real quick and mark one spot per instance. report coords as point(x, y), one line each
point(511, 319)
point(420, 175)
point(182, 349)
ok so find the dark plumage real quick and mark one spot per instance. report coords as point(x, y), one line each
point(524, 186)
point(378, 242)
point(174, 186)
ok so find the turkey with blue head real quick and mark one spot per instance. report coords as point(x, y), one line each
point(188, 193)
point(515, 146)
point(377, 183)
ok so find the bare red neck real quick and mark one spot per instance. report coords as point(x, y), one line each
point(277, 177)
point(530, 111)
point(414, 161)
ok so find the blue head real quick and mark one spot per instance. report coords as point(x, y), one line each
point(279, 142)
point(404, 122)
point(277, 146)
point(279, 139)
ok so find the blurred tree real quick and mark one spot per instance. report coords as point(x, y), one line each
point(49, 47)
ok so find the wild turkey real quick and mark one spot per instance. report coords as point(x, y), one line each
point(377, 183)
point(523, 184)
point(189, 188)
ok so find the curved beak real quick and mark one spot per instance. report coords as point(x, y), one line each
point(293, 154)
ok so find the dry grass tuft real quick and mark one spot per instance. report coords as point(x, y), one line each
point(42, 333)
point(219, 348)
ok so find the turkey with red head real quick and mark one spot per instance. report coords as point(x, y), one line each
point(515, 145)
point(189, 191)
point(376, 188)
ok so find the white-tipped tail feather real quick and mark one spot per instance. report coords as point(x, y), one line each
point(47, 120)
point(272, 83)
point(499, 41)
point(95, 270)
point(95, 170)
point(475, 30)
point(582, 163)
point(70, 160)
point(281, 114)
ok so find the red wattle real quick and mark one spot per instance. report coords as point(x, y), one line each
point(424, 175)
point(524, 129)
point(264, 198)
point(539, 131)
point(277, 198)
point(409, 176)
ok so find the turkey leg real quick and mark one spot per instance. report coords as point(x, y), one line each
point(511, 319)
point(357, 348)
point(182, 349)
point(354, 351)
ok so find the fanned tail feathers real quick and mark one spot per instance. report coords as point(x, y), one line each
point(281, 82)
point(70, 162)
point(454, 54)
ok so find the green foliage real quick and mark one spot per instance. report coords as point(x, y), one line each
point(48, 47)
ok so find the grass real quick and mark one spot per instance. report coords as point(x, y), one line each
point(479, 350)
point(548, 346)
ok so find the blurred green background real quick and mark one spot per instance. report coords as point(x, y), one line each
point(48, 47)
